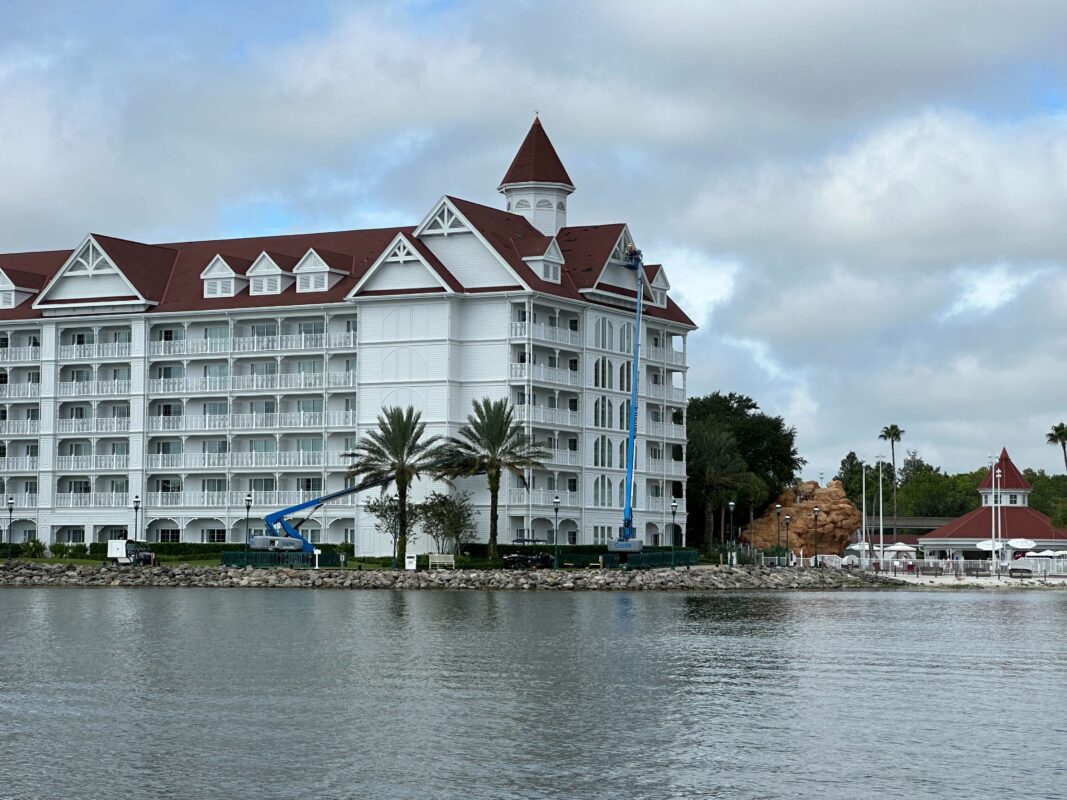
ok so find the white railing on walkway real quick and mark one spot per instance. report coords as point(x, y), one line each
point(25, 353)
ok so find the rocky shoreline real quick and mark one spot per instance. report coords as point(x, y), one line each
point(713, 578)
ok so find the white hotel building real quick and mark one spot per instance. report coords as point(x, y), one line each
point(190, 374)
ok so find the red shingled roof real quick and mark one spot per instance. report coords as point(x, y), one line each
point(1018, 522)
point(146, 266)
point(1010, 477)
point(536, 161)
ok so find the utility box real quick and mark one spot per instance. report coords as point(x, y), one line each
point(409, 561)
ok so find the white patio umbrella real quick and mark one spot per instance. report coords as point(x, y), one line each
point(1045, 554)
point(861, 546)
point(1021, 544)
point(900, 547)
point(1061, 553)
point(988, 545)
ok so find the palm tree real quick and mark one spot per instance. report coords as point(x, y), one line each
point(1058, 435)
point(893, 434)
point(397, 451)
point(491, 443)
point(716, 465)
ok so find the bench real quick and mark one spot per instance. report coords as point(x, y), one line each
point(1020, 572)
point(934, 570)
point(442, 560)
point(977, 572)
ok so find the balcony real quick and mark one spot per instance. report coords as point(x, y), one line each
point(92, 462)
point(570, 458)
point(237, 383)
point(245, 460)
point(93, 425)
point(91, 500)
point(277, 499)
point(18, 464)
point(284, 343)
point(221, 422)
point(69, 352)
point(16, 426)
point(12, 390)
point(546, 333)
point(665, 354)
point(543, 374)
point(653, 503)
point(555, 416)
point(666, 429)
point(544, 497)
point(24, 500)
point(662, 392)
point(93, 388)
point(658, 466)
point(26, 353)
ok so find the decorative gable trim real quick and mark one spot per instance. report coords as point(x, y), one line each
point(11, 294)
point(399, 251)
point(266, 277)
point(313, 274)
point(443, 220)
point(548, 265)
point(221, 279)
point(618, 258)
point(89, 260)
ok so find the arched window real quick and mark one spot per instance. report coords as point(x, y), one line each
point(602, 374)
point(626, 338)
point(522, 204)
point(544, 204)
point(624, 415)
point(603, 334)
point(602, 491)
point(560, 206)
point(622, 454)
point(622, 494)
point(602, 452)
point(602, 413)
point(625, 373)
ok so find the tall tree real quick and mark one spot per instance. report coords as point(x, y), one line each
point(492, 443)
point(449, 520)
point(397, 451)
point(892, 434)
point(1058, 435)
point(715, 465)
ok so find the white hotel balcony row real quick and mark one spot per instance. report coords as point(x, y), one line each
point(15, 390)
point(252, 344)
point(281, 458)
point(92, 462)
point(235, 383)
point(567, 337)
point(68, 352)
point(236, 499)
point(570, 377)
point(220, 422)
point(544, 497)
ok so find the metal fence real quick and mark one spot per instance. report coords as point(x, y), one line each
point(278, 558)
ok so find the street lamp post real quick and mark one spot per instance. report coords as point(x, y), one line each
point(136, 513)
point(778, 535)
point(998, 485)
point(733, 556)
point(881, 515)
point(555, 531)
point(815, 511)
point(788, 519)
point(248, 540)
point(674, 526)
point(10, 517)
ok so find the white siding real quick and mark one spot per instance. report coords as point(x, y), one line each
point(469, 260)
point(409, 275)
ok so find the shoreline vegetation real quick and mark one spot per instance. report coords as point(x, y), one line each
point(27, 574)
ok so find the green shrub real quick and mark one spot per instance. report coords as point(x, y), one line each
point(33, 548)
point(203, 550)
point(78, 551)
point(59, 550)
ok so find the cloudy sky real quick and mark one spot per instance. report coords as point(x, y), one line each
point(863, 204)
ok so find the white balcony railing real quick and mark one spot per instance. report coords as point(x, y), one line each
point(18, 426)
point(237, 383)
point(237, 499)
point(74, 499)
point(658, 466)
point(92, 462)
point(544, 497)
point(20, 390)
point(560, 416)
point(540, 372)
point(83, 388)
point(99, 350)
point(662, 392)
point(24, 500)
point(26, 353)
point(653, 503)
point(94, 499)
point(251, 344)
point(565, 457)
point(74, 463)
point(18, 464)
point(93, 425)
point(215, 422)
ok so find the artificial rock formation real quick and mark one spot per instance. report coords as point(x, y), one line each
point(838, 519)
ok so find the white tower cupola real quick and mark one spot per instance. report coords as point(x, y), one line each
point(536, 184)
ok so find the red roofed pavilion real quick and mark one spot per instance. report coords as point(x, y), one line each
point(1011, 507)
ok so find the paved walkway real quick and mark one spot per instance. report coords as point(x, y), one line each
point(986, 583)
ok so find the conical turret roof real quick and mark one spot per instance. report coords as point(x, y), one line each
point(536, 161)
point(1010, 477)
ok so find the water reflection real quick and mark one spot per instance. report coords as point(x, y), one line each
point(497, 695)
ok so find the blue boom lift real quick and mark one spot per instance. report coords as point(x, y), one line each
point(280, 518)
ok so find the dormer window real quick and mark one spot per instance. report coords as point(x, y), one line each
point(266, 284)
point(550, 271)
point(316, 272)
point(221, 279)
point(7, 299)
point(218, 287)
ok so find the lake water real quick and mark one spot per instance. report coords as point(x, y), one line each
point(189, 693)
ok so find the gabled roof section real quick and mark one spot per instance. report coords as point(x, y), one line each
point(223, 266)
point(1018, 522)
point(536, 161)
point(657, 276)
point(110, 270)
point(444, 219)
point(1010, 477)
point(271, 264)
point(317, 259)
point(25, 281)
point(405, 250)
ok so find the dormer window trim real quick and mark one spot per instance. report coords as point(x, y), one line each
point(265, 277)
point(313, 274)
point(220, 279)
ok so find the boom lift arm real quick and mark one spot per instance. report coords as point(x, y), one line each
point(279, 518)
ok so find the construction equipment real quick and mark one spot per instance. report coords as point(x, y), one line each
point(288, 529)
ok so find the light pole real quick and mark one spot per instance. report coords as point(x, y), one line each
point(778, 535)
point(998, 483)
point(881, 515)
point(248, 541)
point(555, 531)
point(10, 517)
point(815, 512)
point(733, 556)
point(863, 517)
point(136, 512)
point(788, 519)
point(674, 526)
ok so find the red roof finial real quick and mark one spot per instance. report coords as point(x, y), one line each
point(1010, 476)
point(537, 161)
